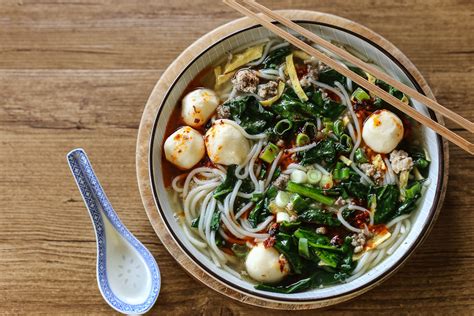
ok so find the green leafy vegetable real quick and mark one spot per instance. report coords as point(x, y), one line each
point(215, 221)
point(387, 202)
point(286, 245)
point(282, 127)
point(195, 222)
point(325, 151)
point(317, 216)
point(228, 185)
point(276, 58)
point(249, 114)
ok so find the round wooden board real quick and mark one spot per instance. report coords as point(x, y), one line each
point(146, 128)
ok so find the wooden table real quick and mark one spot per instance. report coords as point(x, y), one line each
point(77, 74)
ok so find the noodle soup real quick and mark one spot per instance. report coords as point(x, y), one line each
point(287, 173)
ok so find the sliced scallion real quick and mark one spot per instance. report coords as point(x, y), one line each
point(269, 153)
point(360, 156)
point(282, 127)
point(302, 139)
point(314, 176)
point(298, 176)
point(326, 181)
point(360, 95)
point(282, 198)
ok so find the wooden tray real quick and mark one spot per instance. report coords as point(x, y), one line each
point(146, 128)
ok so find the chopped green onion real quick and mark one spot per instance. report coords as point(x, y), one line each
point(345, 143)
point(314, 176)
point(282, 127)
point(326, 181)
point(282, 198)
point(282, 217)
point(360, 95)
point(345, 160)
point(302, 139)
point(312, 193)
point(298, 176)
point(338, 128)
point(303, 248)
point(328, 126)
point(421, 163)
point(310, 129)
point(341, 174)
point(298, 203)
point(269, 153)
point(360, 156)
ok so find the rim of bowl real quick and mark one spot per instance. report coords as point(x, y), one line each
point(431, 218)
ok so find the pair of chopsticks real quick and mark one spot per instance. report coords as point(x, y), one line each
point(267, 16)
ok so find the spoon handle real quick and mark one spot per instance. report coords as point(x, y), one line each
point(99, 206)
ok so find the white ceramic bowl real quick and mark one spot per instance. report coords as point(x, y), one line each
point(369, 45)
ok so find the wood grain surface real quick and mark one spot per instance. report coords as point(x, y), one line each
point(78, 73)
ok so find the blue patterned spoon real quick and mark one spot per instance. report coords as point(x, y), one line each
point(128, 275)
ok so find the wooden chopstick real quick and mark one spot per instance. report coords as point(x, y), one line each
point(266, 21)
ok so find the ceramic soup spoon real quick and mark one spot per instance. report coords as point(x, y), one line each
point(127, 274)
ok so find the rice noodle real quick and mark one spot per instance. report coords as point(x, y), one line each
point(281, 71)
point(301, 148)
point(321, 168)
point(247, 135)
point(358, 136)
point(267, 76)
point(284, 44)
point(273, 168)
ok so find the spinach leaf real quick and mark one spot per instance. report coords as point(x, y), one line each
point(329, 75)
point(261, 211)
point(298, 286)
point(289, 227)
point(379, 103)
point(312, 237)
point(292, 109)
point(249, 114)
point(228, 185)
point(215, 221)
point(325, 106)
point(325, 151)
point(318, 278)
point(387, 202)
point(258, 213)
point(317, 216)
point(412, 194)
point(356, 189)
point(286, 245)
point(276, 58)
point(328, 258)
point(195, 222)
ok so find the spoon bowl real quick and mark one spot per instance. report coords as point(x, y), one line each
point(127, 274)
